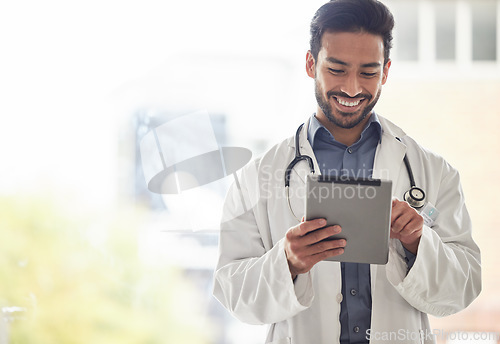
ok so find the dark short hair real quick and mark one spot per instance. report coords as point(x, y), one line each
point(352, 16)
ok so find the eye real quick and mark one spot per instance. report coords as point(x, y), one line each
point(335, 71)
point(369, 75)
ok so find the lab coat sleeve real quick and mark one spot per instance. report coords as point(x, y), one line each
point(446, 275)
point(252, 279)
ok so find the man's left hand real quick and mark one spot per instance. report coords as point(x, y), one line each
point(406, 225)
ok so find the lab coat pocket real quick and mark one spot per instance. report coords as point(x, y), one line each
point(286, 340)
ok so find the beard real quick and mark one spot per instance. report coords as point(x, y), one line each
point(346, 120)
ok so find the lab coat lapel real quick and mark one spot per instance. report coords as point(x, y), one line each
point(389, 157)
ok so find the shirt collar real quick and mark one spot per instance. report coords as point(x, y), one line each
point(316, 129)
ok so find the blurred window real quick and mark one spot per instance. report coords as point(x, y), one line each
point(484, 30)
point(445, 12)
point(407, 38)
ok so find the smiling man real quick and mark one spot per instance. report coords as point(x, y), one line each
point(271, 268)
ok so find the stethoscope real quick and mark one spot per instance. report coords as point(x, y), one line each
point(415, 196)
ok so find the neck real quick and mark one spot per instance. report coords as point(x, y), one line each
point(345, 136)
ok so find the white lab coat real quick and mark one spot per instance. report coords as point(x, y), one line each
point(253, 282)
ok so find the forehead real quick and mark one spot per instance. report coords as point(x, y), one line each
point(352, 47)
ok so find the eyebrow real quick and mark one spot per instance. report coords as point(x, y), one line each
point(365, 65)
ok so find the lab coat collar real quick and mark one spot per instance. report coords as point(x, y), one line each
point(388, 129)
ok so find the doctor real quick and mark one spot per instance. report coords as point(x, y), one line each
point(271, 268)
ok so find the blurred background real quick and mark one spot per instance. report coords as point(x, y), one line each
point(90, 255)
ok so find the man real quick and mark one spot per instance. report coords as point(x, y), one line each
point(271, 269)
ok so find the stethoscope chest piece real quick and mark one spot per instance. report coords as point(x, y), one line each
point(415, 197)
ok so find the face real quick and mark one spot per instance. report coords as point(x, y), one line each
point(349, 74)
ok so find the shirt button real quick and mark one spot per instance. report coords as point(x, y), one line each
point(356, 329)
point(354, 292)
point(349, 150)
point(339, 298)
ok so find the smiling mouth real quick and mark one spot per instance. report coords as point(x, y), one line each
point(349, 104)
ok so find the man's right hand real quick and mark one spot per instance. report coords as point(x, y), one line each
point(304, 246)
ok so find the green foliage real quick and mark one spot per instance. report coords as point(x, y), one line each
point(76, 291)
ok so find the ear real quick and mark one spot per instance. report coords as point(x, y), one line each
point(310, 65)
point(385, 72)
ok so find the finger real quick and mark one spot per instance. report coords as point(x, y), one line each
point(327, 254)
point(398, 208)
point(413, 226)
point(321, 234)
point(400, 222)
point(401, 214)
point(309, 226)
point(326, 245)
point(314, 259)
point(303, 228)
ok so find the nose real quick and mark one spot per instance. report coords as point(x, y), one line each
point(351, 86)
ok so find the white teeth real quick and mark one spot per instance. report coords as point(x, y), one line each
point(348, 103)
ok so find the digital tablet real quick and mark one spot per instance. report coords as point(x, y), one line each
point(362, 207)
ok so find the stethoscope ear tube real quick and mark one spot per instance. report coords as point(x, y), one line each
point(298, 157)
point(289, 168)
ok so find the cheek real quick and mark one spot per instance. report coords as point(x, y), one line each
point(320, 85)
point(375, 86)
point(327, 83)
